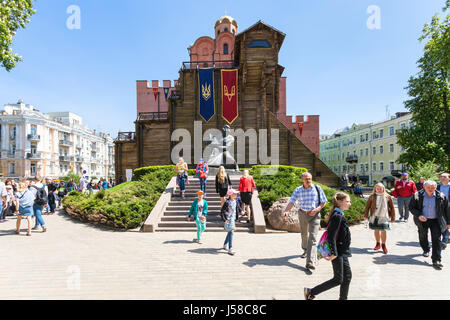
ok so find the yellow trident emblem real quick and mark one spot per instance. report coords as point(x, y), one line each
point(206, 91)
point(231, 94)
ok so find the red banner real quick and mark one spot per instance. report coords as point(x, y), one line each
point(155, 92)
point(300, 127)
point(229, 95)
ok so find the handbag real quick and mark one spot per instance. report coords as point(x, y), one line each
point(324, 247)
point(202, 175)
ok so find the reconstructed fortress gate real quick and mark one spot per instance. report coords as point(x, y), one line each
point(243, 92)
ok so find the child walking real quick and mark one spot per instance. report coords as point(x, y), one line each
point(199, 209)
point(182, 175)
point(230, 211)
point(26, 202)
point(339, 239)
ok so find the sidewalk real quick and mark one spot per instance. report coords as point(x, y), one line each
point(78, 261)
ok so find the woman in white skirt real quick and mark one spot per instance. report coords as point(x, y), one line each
point(380, 211)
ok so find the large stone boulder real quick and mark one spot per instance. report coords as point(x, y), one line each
point(275, 216)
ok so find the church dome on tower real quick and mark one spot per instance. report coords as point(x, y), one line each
point(226, 24)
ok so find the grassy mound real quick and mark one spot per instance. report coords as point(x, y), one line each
point(126, 206)
point(276, 182)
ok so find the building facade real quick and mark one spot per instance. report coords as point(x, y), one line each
point(51, 145)
point(216, 53)
point(366, 152)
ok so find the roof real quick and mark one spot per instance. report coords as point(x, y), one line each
point(231, 19)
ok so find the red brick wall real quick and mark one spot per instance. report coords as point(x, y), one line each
point(310, 132)
point(146, 100)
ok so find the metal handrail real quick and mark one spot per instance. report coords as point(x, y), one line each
point(153, 116)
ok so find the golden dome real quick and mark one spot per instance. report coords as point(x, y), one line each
point(224, 18)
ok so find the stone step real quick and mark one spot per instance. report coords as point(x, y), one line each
point(209, 219)
point(208, 229)
point(185, 202)
point(186, 224)
point(187, 207)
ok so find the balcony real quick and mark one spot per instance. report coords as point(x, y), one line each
point(79, 159)
point(34, 137)
point(66, 158)
point(34, 155)
point(396, 173)
point(126, 136)
point(153, 116)
point(11, 154)
point(66, 143)
point(221, 64)
point(352, 158)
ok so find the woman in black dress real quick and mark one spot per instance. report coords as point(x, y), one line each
point(223, 183)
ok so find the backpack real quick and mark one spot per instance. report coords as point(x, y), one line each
point(324, 247)
point(41, 196)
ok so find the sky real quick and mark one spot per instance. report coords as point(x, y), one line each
point(335, 65)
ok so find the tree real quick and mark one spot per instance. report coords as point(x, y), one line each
point(427, 170)
point(14, 14)
point(429, 139)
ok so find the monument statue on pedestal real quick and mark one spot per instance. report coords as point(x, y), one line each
point(220, 154)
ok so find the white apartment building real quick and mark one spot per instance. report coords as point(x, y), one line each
point(51, 145)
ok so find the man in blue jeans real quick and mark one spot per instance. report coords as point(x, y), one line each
point(40, 195)
point(444, 187)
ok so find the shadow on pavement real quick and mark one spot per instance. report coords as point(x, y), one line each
point(178, 242)
point(277, 262)
point(408, 244)
point(396, 259)
point(363, 251)
point(214, 251)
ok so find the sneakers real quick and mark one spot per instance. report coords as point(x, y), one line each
point(195, 240)
point(35, 228)
point(199, 242)
point(231, 252)
point(303, 256)
point(385, 250)
point(225, 247)
point(401, 219)
point(437, 265)
point(426, 254)
point(377, 247)
point(44, 229)
point(307, 293)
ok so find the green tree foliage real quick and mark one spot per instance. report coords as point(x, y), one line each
point(71, 175)
point(428, 170)
point(14, 14)
point(429, 138)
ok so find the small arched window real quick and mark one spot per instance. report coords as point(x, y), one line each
point(225, 30)
point(225, 48)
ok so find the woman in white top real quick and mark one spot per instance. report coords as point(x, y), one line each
point(379, 211)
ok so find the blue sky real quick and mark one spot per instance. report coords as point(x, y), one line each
point(336, 66)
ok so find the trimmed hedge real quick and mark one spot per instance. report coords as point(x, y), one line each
point(126, 206)
point(276, 182)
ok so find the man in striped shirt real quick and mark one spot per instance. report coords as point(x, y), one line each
point(311, 200)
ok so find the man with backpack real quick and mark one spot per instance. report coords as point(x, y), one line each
point(311, 200)
point(41, 199)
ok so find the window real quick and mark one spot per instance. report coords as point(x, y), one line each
point(361, 168)
point(339, 157)
point(225, 30)
point(367, 152)
point(374, 135)
point(374, 150)
point(225, 48)
point(381, 149)
point(33, 169)
point(12, 168)
point(33, 130)
point(403, 126)
point(361, 138)
point(391, 148)
point(13, 132)
point(361, 152)
point(391, 131)
point(402, 149)
point(33, 149)
point(367, 167)
point(381, 133)
point(391, 165)
point(374, 166)
point(259, 44)
point(381, 166)
point(354, 140)
point(411, 124)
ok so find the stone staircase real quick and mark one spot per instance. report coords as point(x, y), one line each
point(174, 217)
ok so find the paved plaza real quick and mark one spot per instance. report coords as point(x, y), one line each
point(78, 261)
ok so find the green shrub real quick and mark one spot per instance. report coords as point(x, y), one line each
point(276, 182)
point(140, 172)
point(125, 206)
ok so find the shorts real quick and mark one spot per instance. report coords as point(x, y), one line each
point(25, 212)
point(246, 197)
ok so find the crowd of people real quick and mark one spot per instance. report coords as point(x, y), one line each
point(427, 201)
point(36, 197)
